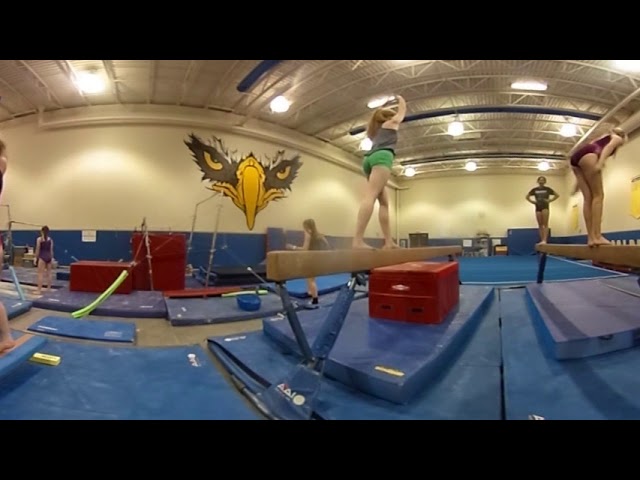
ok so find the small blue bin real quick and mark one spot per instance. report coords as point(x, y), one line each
point(249, 302)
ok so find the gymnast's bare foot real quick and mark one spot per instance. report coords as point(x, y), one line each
point(391, 245)
point(7, 344)
point(601, 241)
point(361, 245)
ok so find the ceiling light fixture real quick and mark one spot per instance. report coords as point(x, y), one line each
point(90, 82)
point(279, 104)
point(529, 85)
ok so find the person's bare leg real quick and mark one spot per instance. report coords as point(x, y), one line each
point(593, 177)
point(376, 183)
point(583, 185)
point(312, 290)
point(384, 218)
point(544, 216)
point(48, 270)
point(6, 340)
point(540, 227)
point(40, 275)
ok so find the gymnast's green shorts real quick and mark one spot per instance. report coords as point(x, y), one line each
point(382, 158)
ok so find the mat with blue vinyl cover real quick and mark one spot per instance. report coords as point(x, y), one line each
point(137, 304)
point(326, 284)
point(14, 306)
point(100, 330)
point(29, 276)
point(388, 359)
point(583, 319)
point(519, 270)
point(26, 346)
point(96, 382)
point(467, 387)
point(604, 387)
point(628, 284)
point(211, 310)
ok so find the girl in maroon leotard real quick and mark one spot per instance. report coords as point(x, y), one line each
point(587, 164)
point(6, 340)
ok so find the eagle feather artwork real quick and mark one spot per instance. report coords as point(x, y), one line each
point(248, 182)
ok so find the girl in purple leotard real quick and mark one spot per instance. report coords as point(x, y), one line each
point(44, 256)
point(587, 164)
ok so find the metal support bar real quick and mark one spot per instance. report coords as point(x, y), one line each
point(213, 246)
point(294, 321)
point(542, 263)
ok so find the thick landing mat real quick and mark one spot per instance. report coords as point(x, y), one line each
point(29, 276)
point(606, 387)
point(512, 270)
point(628, 284)
point(204, 311)
point(14, 306)
point(102, 330)
point(326, 284)
point(583, 319)
point(390, 360)
point(95, 382)
point(138, 304)
point(26, 346)
point(468, 388)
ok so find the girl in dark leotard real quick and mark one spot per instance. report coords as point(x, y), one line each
point(313, 240)
point(587, 164)
point(44, 256)
point(6, 340)
point(542, 198)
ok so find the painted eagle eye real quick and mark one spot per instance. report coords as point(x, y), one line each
point(211, 162)
point(283, 174)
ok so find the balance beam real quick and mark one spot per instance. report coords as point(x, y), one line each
point(623, 255)
point(290, 265)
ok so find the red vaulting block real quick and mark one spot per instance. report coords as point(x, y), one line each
point(416, 292)
point(168, 261)
point(96, 277)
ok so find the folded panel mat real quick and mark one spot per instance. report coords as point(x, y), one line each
point(103, 330)
point(14, 306)
point(26, 346)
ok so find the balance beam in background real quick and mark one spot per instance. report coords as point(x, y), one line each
point(290, 265)
point(623, 255)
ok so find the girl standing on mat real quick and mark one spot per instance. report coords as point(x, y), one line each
point(587, 164)
point(44, 256)
point(313, 240)
point(542, 197)
point(6, 340)
point(383, 132)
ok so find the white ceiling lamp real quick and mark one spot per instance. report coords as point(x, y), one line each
point(379, 101)
point(366, 144)
point(409, 172)
point(568, 130)
point(543, 166)
point(629, 65)
point(533, 85)
point(90, 82)
point(456, 129)
point(471, 166)
point(279, 104)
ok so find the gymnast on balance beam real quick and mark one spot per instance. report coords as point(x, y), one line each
point(313, 240)
point(6, 340)
point(378, 162)
point(587, 164)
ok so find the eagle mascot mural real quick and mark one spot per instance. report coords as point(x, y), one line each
point(251, 184)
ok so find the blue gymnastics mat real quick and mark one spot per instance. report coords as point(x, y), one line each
point(515, 270)
point(102, 330)
point(583, 319)
point(629, 284)
point(605, 387)
point(211, 310)
point(12, 359)
point(387, 359)
point(29, 276)
point(137, 304)
point(95, 382)
point(326, 284)
point(467, 388)
point(14, 306)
